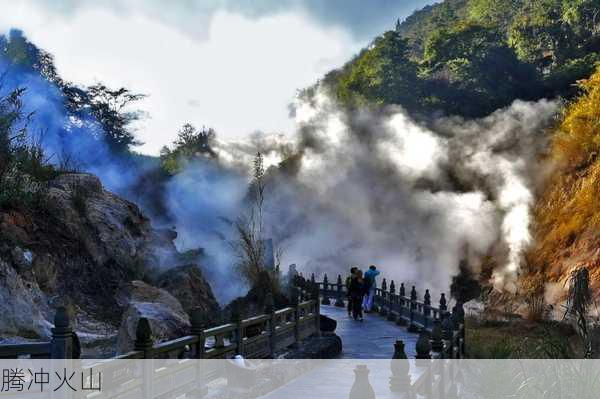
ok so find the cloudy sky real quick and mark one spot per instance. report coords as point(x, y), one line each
point(234, 65)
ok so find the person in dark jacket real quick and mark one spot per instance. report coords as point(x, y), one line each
point(357, 292)
point(348, 280)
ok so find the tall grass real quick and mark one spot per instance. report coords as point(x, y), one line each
point(570, 205)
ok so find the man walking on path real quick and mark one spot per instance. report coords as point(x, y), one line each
point(370, 285)
point(357, 292)
point(348, 280)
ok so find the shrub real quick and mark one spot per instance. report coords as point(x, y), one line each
point(24, 169)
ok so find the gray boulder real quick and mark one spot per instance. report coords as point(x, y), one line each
point(22, 305)
point(187, 284)
point(167, 318)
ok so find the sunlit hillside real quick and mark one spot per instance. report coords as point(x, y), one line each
point(567, 215)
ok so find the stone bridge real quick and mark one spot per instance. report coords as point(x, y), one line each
point(426, 331)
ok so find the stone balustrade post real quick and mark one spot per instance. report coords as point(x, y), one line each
point(294, 304)
point(400, 367)
point(427, 303)
point(426, 309)
point(317, 309)
point(339, 301)
point(443, 305)
point(270, 311)
point(62, 344)
point(458, 322)
point(423, 346)
point(447, 336)
point(312, 278)
point(143, 338)
point(383, 310)
point(402, 294)
point(437, 344)
point(236, 318)
point(412, 327)
point(198, 320)
point(144, 343)
point(325, 300)
point(391, 301)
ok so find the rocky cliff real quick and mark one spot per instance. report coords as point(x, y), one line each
point(83, 247)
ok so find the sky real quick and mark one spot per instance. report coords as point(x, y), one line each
point(234, 65)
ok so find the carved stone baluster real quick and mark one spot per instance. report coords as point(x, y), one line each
point(392, 302)
point(400, 367)
point(383, 311)
point(339, 301)
point(443, 306)
point(271, 324)
point(62, 345)
point(325, 300)
point(423, 346)
point(426, 309)
point(402, 294)
point(412, 327)
point(143, 338)
point(198, 324)
point(437, 344)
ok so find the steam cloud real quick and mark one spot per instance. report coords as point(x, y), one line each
point(361, 188)
point(413, 198)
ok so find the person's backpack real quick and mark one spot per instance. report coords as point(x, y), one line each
point(368, 281)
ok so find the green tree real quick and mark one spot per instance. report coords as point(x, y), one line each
point(479, 71)
point(382, 75)
point(539, 35)
point(496, 13)
point(110, 110)
point(191, 141)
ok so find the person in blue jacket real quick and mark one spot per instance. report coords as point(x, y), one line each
point(370, 285)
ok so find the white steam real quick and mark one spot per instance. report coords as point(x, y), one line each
point(413, 198)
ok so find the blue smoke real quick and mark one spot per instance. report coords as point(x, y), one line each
point(194, 201)
point(62, 134)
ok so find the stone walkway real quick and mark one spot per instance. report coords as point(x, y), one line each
point(371, 339)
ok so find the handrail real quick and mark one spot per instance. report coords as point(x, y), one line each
point(225, 328)
point(32, 349)
point(255, 320)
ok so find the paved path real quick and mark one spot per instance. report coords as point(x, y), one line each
point(371, 339)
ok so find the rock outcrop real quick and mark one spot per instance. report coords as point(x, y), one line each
point(82, 245)
point(167, 318)
point(187, 284)
point(24, 307)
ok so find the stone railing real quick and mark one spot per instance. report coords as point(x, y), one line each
point(258, 337)
point(441, 331)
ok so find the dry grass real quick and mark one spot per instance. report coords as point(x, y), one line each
point(521, 339)
point(567, 215)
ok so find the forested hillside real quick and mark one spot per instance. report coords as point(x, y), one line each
point(470, 57)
